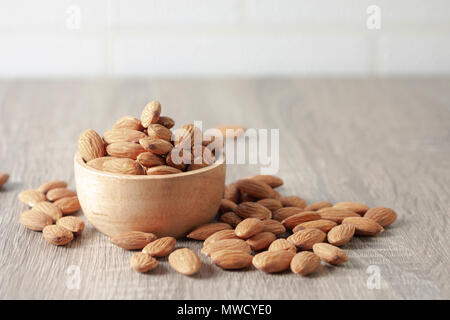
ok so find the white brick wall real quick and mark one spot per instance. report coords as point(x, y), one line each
point(223, 37)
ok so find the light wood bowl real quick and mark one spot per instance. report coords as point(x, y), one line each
point(166, 205)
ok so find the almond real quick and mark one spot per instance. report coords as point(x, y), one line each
point(148, 159)
point(321, 224)
point(57, 235)
point(123, 135)
point(357, 207)
point(35, 220)
point(291, 221)
point(364, 226)
point(330, 253)
point(204, 231)
point(231, 259)
point(99, 162)
point(160, 170)
point(125, 150)
point(142, 262)
point(293, 201)
point(3, 178)
point(220, 235)
point(252, 210)
point(305, 239)
point(185, 261)
point(151, 113)
point(273, 226)
point(68, 205)
point(273, 261)
point(249, 227)
point(49, 209)
point(254, 188)
point(336, 215)
point(128, 122)
point(31, 197)
point(244, 197)
point(305, 263)
point(160, 247)
point(271, 204)
point(231, 131)
point(318, 205)
point(188, 133)
point(156, 146)
point(157, 131)
point(73, 224)
point(231, 218)
point(271, 180)
point(58, 193)
point(227, 244)
point(123, 166)
point(341, 234)
point(132, 240)
point(183, 157)
point(261, 240)
point(46, 187)
point(166, 122)
point(90, 145)
point(227, 206)
point(282, 244)
point(286, 212)
point(381, 215)
point(232, 192)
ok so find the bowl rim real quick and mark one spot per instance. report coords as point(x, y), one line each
point(80, 162)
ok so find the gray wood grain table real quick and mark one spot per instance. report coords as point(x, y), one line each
point(381, 142)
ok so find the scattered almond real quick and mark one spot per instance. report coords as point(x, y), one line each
point(305, 239)
point(357, 207)
point(336, 215)
point(252, 210)
point(282, 244)
point(286, 212)
point(330, 253)
point(58, 193)
point(294, 220)
point(231, 259)
point(57, 235)
point(318, 205)
point(71, 223)
point(68, 205)
point(227, 244)
point(185, 261)
point(132, 240)
point(364, 226)
point(305, 263)
point(341, 234)
point(273, 226)
point(321, 224)
point(46, 187)
point(160, 247)
point(293, 201)
point(382, 215)
point(220, 235)
point(31, 197)
point(142, 262)
point(49, 209)
point(273, 261)
point(231, 218)
point(249, 227)
point(90, 145)
point(204, 231)
point(35, 220)
point(261, 240)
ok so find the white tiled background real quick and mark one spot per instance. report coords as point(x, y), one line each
point(223, 38)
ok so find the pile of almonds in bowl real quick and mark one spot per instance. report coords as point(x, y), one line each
point(258, 226)
point(51, 206)
point(147, 146)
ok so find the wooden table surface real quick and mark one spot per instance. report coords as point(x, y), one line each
point(381, 142)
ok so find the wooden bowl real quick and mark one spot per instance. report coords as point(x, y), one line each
point(166, 205)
